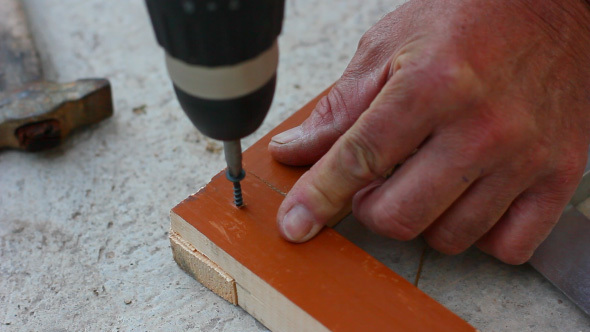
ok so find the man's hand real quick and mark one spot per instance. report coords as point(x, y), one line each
point(488, 104)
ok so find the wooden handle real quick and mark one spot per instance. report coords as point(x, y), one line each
point(19, 61)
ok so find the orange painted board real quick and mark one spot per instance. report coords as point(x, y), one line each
point(259, 163)
point(330, 278)
point(335, 283)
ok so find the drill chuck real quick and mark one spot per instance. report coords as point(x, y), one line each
point(226, 102)
point(222, 58)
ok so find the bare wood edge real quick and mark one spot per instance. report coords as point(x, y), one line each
point(209, 274)
point(254, 295)
point(201, 268)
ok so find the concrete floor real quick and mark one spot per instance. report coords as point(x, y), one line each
point(83, 228)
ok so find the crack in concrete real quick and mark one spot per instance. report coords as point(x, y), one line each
point(420, 265)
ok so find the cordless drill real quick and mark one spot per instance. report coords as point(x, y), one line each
point(222, 58)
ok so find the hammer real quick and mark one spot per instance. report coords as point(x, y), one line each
point(36, 114)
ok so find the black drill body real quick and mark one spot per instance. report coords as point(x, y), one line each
point(222, 57)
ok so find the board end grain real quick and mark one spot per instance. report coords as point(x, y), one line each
point(201, 268)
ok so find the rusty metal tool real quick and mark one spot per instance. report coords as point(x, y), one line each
point(37, 114)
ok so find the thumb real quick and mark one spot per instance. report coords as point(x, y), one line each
point(333, 115)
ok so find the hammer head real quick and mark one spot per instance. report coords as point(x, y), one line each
point(41, 114)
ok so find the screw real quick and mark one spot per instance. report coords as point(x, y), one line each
point(238, 199)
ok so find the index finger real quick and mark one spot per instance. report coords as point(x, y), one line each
point(386, 133)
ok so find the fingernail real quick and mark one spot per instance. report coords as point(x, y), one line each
point(298, 224)
point(287, 136)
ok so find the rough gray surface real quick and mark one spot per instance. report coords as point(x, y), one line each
point(490, 295)
point(83, 228)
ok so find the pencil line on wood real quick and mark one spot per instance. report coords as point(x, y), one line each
point(269, 184)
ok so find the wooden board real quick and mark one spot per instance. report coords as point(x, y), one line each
point(327, 283)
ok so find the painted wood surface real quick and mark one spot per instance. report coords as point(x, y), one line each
point(326, 283)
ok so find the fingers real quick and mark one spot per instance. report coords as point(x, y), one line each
point(474, 213)
point(367, 150)
point(525, 225)
point(533, 214)
point(419, 192)
point(333, 115)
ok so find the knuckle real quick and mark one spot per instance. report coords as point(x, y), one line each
point(499, 132)
point(359, 158)
point(448, 241)
point(367, 41)
point(322, 196)
point(537, 157)
point(468, 156)
point(328, 108)
point(376, 45)
point(394, 222)
point(529, 163)
point(324, 111)
point(452, 80)
point(372, 40)
point(499, 137)
point(318, 196)
point(513, 251)
point(370, 52)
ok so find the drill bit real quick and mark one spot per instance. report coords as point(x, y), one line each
point(234, 173)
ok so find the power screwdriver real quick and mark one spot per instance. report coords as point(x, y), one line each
point(222, 58)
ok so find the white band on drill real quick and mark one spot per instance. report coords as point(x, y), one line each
point(224, 82)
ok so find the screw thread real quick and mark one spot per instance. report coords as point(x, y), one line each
point(238, 199)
